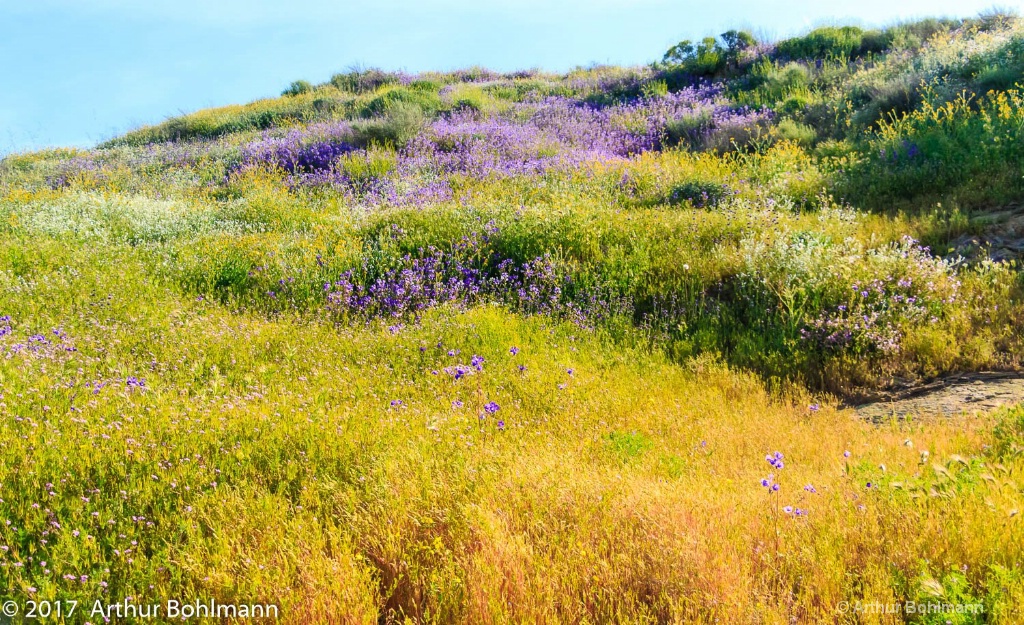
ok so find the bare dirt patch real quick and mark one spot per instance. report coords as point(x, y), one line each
point(969, 392)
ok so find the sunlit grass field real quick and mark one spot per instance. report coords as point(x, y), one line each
point(341, 473)
point(480, 348)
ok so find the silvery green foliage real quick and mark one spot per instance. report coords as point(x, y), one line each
point(120, 218)
point(844, 294)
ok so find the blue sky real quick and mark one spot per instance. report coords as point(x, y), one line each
point(77, 72)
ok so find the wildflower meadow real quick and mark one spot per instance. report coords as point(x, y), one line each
point(479, 347)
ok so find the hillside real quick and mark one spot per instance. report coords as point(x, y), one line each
point(531, 347)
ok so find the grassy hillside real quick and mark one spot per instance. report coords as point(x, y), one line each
point(478, 347)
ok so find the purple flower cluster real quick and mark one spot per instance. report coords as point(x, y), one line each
point(458, 371)
point(418, 284)
point(552, 132)
point(470, 272)
point(309, 150)
point(76, 169)
point(294, 158)
point(56, 344)
point(871, 329)
point(905, 151)
point(461, 144)
point(776, 461)
point(531, 138)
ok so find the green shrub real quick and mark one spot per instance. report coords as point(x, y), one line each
point(1000, 69)
point(792, 76)
point(709, 57)
point(796, 132)
point(827, 122)
point(886, 100)
point(688, 131)
point(923, 30)
point(363, 81)
point(298, 87)
point(906, 36)
point(424, 84)
point(363, 167)
point(654, 89)
point(705, 59)
point(327, 108)
point(699, 194)
point(997, 18)
point(794, 105)
point(469, 97)
point(736, 41)
point(973, 148)
point(400, 123)
point(829, 42)
point(875, 42)
point(259, 115)
point(428, 102)
point(997, 78)
point(784, 81)
point(953, 589)
point(834, 150)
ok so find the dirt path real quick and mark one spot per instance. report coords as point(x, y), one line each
point(974, 392)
